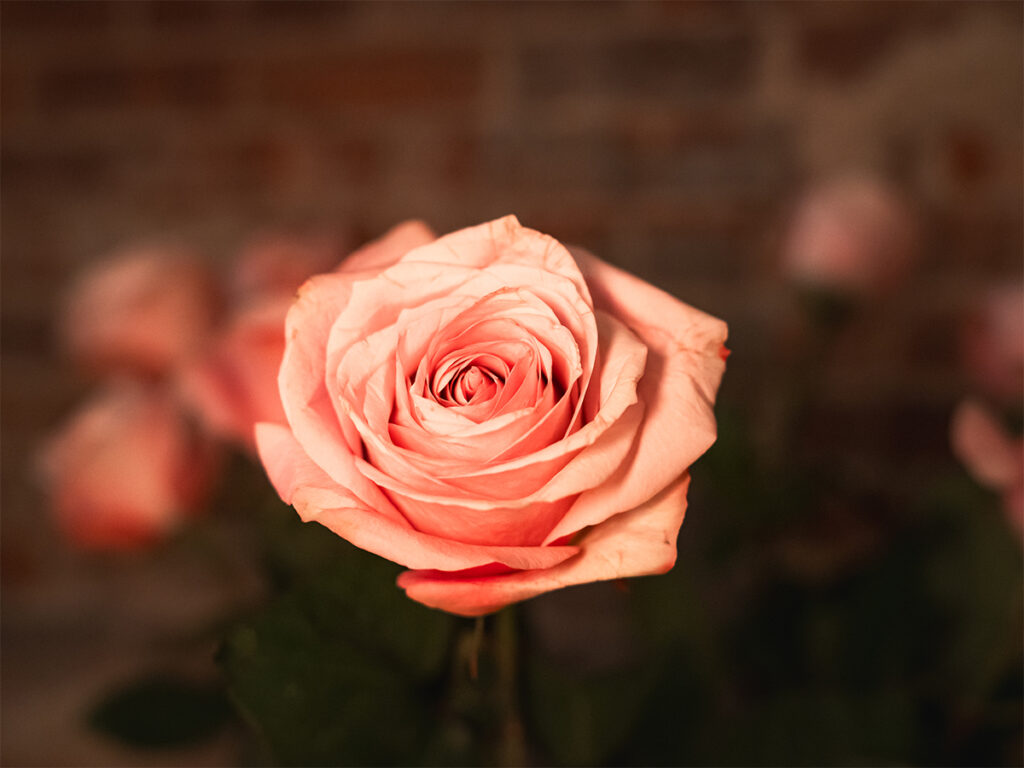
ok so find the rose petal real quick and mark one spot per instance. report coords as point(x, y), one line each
point(988, 452)
point(367, 519)
point(683, 371)
point(635, 543)
point(234, 384)
point(381, 253)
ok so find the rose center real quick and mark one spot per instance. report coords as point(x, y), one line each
point(471, 384)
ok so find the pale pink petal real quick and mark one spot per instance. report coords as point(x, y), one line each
point(277, 264)
point(988, 452)
point(678, 388)
point(381, 253)
point(307, 403)
point(361, 518)
point(634, 543)
point(234, 384)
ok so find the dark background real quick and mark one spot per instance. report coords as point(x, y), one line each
point(670, 138)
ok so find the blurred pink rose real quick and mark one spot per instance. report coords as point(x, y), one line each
point(144, 311)
point(853, 236)
point(499, 415)
point(233, 384)
point(993, 457)
point(126, 469)
point(278, 264)
point(993, 344)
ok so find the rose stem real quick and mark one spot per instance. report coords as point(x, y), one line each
point(511, 749)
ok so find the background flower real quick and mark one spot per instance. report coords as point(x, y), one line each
point(144, 311)
point(127, 469)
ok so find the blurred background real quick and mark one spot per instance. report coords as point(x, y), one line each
point(839, 562)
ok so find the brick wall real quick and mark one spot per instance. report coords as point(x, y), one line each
point(668, 137)
point(671, 138)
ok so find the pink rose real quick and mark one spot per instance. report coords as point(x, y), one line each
point(126, 469)
point(993, 343)
point(500, 416)
point(233, 384)
point(279, 264)
point(144, 311)
point(851, 235)
point(994, 458)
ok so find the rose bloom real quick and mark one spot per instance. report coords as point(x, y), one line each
point(277, 264)
point(992, 456)
point(853, 236)
point(126, 469)
point(232, 385)
point(144, 311)
point(993, 343)
point(499, 415)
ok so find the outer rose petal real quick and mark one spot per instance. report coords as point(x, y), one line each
point(635, 543)
point(993, 343)
point(126, 469)
point(361, 518)
point(992, 457)
point(321, 299)
point(684, 368)
point(389, 247)
point(234, 384)
point(278, 264)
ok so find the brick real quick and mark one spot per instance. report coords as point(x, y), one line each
point(186, 85)
point(360, 158)
point(530, 159)
point(178, 13)
point(845, 40)
point(693, 63)
point(97, 85)
point(79, 168)
point(378, 78)
point(55, 14)
point(292, 12)
point(665, 67)
point(968, 155)
point(122, 84)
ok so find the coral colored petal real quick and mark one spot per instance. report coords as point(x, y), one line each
point(381, 253)
point(305, 398)
point(360, 519)
point(234, 384)
point(635, 543)
point(988, 452)
point(678, 389)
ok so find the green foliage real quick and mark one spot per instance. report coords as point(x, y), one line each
point(811, 619)
point(582, 719)
point(338, 670)
point(162, 711)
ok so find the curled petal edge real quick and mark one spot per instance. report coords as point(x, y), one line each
point(639, 542)
point(316, 497)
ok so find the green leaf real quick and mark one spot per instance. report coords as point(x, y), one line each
point(315, 699)
point(162, 711)
point(341, 668)
point(351, 594)
point(974, 578)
